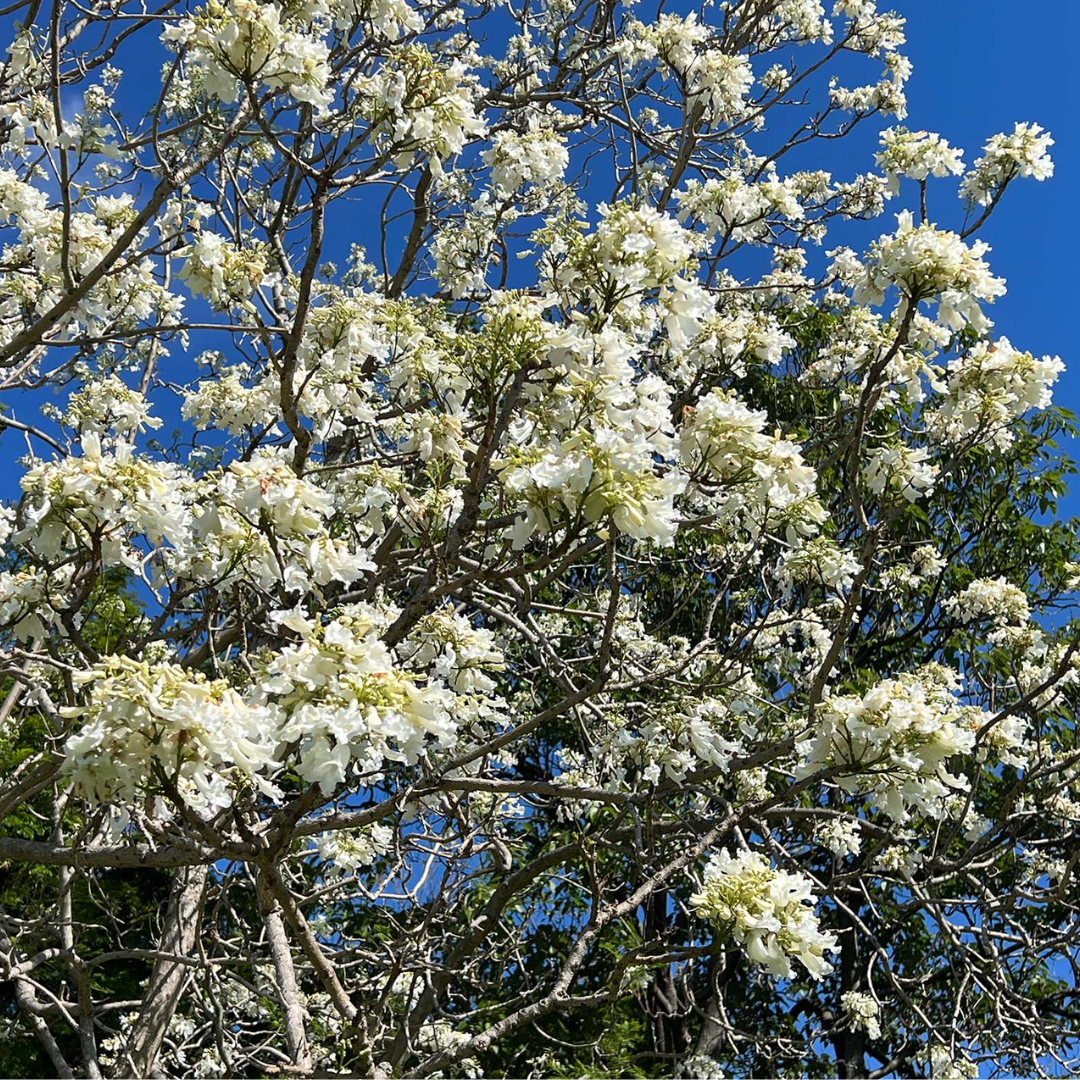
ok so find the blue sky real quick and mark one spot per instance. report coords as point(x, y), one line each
point(981, 65)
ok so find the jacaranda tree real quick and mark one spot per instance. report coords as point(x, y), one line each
point(500, 577)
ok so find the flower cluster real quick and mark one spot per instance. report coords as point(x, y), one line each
point(222, 272)
point(718, 80)
point(108, 405)
point(673, 743)
point(842, 836)
point(52, 249)
point(258, 520)
point(916, 155)
point(766, 910)
point(636, 248)
point(341, 697)
point(994, 599)
point(903, 468)
point(945, 1065)
point(744, 212)
point(350, 850)
point(230, 42)
point(923, 262)
point(102, 501)
point(818, 560)
point(1024, 152)
point(987, 388)
point(158, 728)
point(758, 480)
point(896, 740)
point(423, 106)
point(536, 155)
point(863, 1011)
point(596, 474)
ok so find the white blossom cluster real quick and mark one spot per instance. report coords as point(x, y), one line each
point(818, 560)
point(989, 387)
point(108, 405)
point(902, 468)
point(225, 273)
point(103, 501)
point(349, 852)
point(230, 42)
point(424, 106)
point(916, 155)
point(897, 740)
point(766, 910)
point(994, 599)
point(841, 836)
point(759, 480)
point(925, 263)
point(670, 746)
point(145, 724)
point(52, 249)
point(701, 1067)
point(864, 1012)
point(1025, 151)
point(719, 81)
point(946, 1065)
point(732, 208)
point(536, 156)
point(341, 697)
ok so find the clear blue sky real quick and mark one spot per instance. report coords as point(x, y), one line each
point(980, 65)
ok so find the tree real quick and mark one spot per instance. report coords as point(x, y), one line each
point(553, 640)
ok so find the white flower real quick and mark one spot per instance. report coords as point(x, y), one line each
point(925, 263)
point(423, 106)
point(926, 562)
point(863, 1012)
point(1024, 152)
point(142, 725)
point(721, 81)
point(536, 156)
point(945, 1066)
point(638, 248)
point(30, 599)
point(700, 1067)
point(106, 498)
point(349, 850)
point(761, 481)
point(107, 404)
point(225, 273)
point(841, 836)
point(917, 155)
point(989, 387)
point(818, 559)
point(598, 473)
point(766, 910)
point(896, 738)
point(344, 699)
point(903, 468)
point(994, 599)
point(732, 208)
point(247, 40)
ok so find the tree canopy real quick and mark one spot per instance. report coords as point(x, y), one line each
point(500, 575)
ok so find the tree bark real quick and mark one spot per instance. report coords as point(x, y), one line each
point(169, 978)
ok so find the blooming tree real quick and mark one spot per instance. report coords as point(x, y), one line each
point(494, 583)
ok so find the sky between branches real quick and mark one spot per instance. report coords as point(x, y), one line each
point(979, 66)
